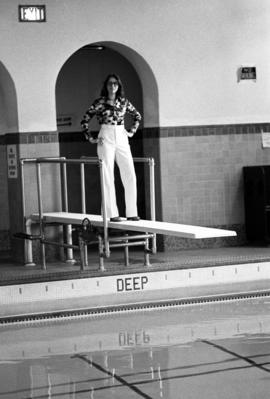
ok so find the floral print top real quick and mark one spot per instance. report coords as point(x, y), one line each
point(108, 114)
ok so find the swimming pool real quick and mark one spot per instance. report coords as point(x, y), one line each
point(215, 350)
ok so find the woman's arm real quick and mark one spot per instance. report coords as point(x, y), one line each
point(90, 113)
point(135, 115)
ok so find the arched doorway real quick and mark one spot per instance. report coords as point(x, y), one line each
point(8, 126)
point(78, 84)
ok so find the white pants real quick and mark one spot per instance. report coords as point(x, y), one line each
point(116, 147)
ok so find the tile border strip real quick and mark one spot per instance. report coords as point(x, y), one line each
point(148, 133)
point(213, 130)
point(30, 138)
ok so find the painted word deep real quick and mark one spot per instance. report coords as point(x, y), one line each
point(131, 283)
point(133, 338)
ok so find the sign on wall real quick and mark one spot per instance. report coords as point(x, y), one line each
point(265, 139)
point(247, 73)
point(12, 161)
point(64, 120)
point(30, 13)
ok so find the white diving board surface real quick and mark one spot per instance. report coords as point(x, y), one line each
point(149, 226)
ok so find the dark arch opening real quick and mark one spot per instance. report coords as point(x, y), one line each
point(78, 84)
point(8, 126)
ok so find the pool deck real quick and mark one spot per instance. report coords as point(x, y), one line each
point(15, 273)
point(173, 278)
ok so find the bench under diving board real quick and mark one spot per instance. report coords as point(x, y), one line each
point(149, 226)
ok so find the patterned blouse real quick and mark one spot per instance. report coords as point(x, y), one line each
point(108, 114)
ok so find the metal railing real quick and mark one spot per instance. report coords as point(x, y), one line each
point(63, 162)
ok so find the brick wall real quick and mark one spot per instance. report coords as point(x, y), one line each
point(201, 177)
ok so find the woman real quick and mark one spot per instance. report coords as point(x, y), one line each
point(112, 144)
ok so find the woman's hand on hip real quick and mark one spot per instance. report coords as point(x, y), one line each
point(96, 141)
point(129, 133)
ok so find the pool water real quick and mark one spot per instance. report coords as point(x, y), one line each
point(219, 350)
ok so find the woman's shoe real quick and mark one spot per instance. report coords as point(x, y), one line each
point(134, 218)
point(117, 219)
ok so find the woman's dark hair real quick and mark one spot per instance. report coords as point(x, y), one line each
point(120, 92)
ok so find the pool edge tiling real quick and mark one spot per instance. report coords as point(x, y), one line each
point(133, 289)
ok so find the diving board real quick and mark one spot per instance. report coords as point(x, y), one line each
point(149, 226)
point(96, 229)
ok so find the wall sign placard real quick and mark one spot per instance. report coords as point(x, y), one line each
point(32, 13)
point(64, 120)
point(12, 161)
point(265, 139)
point(247, 73)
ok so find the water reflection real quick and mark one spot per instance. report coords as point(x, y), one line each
point(153, 354)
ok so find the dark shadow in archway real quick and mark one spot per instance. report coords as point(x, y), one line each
point(78, 84)
point(147, 80)
point(8, 126)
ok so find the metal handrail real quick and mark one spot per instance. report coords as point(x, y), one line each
point(82, 162)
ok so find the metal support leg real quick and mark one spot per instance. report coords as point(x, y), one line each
point(101, 253)
point(69, 255)
point(28, 247)
point(104, 211)
point(154, 244)
point(146, 253)
point(83, 198)
point(152, 200)
point(126, 253)
point(40, 211)
point(84, 259)
point(43, 254)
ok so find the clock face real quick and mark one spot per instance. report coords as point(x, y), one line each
point(32, 13)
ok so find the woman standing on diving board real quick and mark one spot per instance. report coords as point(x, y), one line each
point(113, 144)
